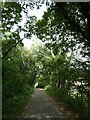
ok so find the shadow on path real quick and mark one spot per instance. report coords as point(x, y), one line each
point(41, 106)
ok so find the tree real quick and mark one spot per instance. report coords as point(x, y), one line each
point(65, 26)
point(11, 28)
point(63, 29)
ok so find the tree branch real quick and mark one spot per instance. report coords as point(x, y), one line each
point(11, 48)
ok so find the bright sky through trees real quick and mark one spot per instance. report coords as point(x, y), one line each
point(28, 43)
point(57, 58)
point(38, 13)
point(34, 40)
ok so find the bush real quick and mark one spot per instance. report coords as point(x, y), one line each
point(12, 106)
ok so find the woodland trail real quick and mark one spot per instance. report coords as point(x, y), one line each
point(41, 106)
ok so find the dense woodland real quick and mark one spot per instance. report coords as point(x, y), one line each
point(61, 65)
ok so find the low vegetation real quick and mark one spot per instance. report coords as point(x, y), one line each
point(61, 64)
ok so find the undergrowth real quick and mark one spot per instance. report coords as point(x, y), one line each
point(13, 105)
point(76, 105)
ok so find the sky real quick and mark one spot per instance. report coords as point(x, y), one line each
point(28, 43)
point(34, 40)
point(38, 13)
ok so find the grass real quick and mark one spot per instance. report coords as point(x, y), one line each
point(12, 107)
point(74, 105)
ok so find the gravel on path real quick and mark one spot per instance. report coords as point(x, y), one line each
point(41, 106)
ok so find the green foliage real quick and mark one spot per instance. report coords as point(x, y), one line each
point(18, 79)
point(10, 15)
point(65, 25)
point(64, 29)
point(66, 83)
point(77, 105)
point(13, 106)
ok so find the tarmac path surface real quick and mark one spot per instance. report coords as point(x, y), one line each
point(41, 106)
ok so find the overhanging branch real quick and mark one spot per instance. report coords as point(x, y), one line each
point(11, 48)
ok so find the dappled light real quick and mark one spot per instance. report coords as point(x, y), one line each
point(40, 89)
point(45, 59)
point(41, 107)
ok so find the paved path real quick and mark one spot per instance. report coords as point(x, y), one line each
point(41, 106)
